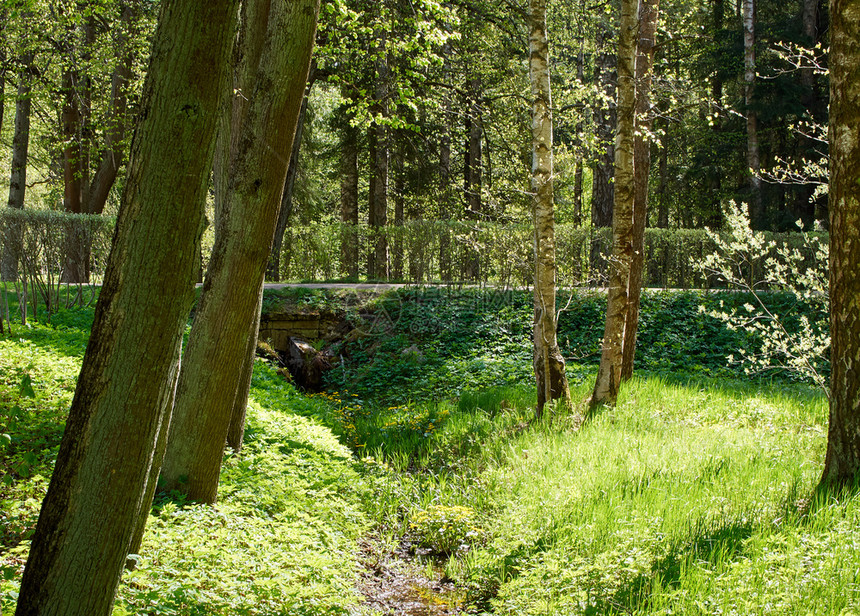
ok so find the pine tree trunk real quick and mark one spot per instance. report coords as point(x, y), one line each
point(648, 14)
point(13, 233)
point(227, 310)
point(125, 390)
point(842, 462)
point(609, 372)
point(548, 360)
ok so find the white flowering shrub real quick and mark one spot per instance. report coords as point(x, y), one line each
point(746, 261)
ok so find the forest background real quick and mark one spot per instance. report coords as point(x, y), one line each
point(414, 153)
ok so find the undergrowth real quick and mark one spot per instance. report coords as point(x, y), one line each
point(694, 495)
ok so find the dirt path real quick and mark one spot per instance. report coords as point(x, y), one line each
point(402, 584)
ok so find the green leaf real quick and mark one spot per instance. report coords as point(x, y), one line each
point(26, 387)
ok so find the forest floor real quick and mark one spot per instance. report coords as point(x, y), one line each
point(418, 483)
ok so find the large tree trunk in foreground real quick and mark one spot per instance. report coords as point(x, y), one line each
point(842, 463)
point(13, 233)
point(228, 311)
point(648, 12)
point(609, 372)
point(548, 361)
point(125, 390)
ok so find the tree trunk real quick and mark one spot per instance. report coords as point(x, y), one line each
point(349, 202)
point(472, 171)
point(236, 430)
point(842, 462)
point(124, 393)
point(399, 214)
point(227, 310)
point(445, 208)
point(548, 361)
point(378, 194)
point(648, 14)
point(756, 205)
point(273, 270)
point(605, 120)
point(13, 233)
point(609, 372)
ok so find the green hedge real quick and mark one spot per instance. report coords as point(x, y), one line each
point(431, 251)
point(419, 251)
point(45, 243)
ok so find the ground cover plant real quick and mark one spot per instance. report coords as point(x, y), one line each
point(281, 540)
point(693, 496)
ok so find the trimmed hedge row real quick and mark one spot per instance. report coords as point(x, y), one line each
point(419, 251)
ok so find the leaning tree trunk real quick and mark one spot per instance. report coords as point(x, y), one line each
point(377, 264)
point(12, 232)
point(648, 13)
point(609, 372)
point(125, 390)
point(842, 462)
point(548, 360)
point(756, 205)
point(227, 311)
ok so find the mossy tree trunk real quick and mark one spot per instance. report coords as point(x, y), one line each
point(125, 389)
point(275, 52)
point(842, 462)
point(609, 372)
point(548, 361)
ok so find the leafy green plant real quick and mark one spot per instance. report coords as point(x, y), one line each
point(445, 529)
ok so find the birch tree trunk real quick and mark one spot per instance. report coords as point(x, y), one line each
point(609, 372)
point(548, 361)
point(648, 15)
point(842, 462)
point(276, 55)
point(125, 391)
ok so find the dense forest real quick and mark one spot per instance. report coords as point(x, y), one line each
point(478, 443)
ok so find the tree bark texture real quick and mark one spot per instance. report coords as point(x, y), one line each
point(227, 311)
point(236, 429)
point(125, 390)
point(842, 462)
point(609, 371)
point(349, 202)
point(648, 15)
point(13, 234)
point(756, 204)
point(548, 360)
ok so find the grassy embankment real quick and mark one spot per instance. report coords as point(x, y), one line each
point(693, 496)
